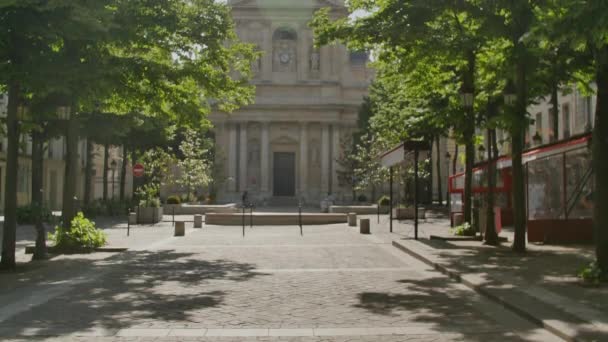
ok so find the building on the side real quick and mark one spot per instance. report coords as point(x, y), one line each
point(54, 170)
point(284, 147)
point(557, 171)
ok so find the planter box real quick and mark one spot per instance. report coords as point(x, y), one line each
point(147, 215)
point(408, 213)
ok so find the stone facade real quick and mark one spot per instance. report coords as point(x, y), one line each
point(286, 144)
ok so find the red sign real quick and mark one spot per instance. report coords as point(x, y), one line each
point(138, 170)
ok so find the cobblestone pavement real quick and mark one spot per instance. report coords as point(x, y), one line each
point(331, 284)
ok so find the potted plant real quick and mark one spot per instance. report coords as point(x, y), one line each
point(384, 203)
point(149, 209)
point(404, 212)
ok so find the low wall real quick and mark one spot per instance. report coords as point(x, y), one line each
point(358, 209)
point(274, 219)
point(198, 209)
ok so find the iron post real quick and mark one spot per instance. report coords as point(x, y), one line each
point(416, 193)
point(390, 212)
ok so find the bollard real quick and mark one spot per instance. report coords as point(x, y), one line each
point(251, 216)
point(352, 219)
point(180, 228)
point(364, 226)
point(132, 219)
point(198, 221)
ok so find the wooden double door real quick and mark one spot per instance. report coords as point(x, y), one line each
point(284, 184)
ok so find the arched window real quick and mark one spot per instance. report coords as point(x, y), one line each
point(358, 58)
point(284, 54)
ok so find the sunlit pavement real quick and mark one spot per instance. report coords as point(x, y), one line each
point(329, 284)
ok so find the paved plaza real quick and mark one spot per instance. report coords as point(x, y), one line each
point(331, 284)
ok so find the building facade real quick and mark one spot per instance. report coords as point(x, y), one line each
point(288, 143)
point(54, 170)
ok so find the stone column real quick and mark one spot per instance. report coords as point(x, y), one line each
point(265, 158)
point(325, 162)
point(335, 166)
point(232, 155)
point(243, 158)
point(303, 159)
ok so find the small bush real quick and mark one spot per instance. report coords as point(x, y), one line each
point(81, 236)
point(173, 200)
point(592, 274)
point(384, 201)
point(27, 214)
point(463, 230)
point(362, 198)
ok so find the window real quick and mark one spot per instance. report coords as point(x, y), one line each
point(582, 117)
point(551, 128)
point(358, 58)
point(566, 120)
point(284, 52)
point(539, 128)
point(23, 180)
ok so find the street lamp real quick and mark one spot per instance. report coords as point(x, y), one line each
point(466, 97)
point(113, 165)
point(482, 152)
point(510, 93)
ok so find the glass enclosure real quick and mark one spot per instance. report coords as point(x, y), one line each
point(560, 186)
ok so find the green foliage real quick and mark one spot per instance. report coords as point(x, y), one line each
point(592, 274)
point(81, 236)
point(384, 201)
point(27, 214)
point(362, 198)
point(148, 195)
point(174, 200)
point(195, 165)
point(463, 230)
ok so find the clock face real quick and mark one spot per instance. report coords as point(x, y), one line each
point(284, 58)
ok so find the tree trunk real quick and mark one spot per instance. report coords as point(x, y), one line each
point(517, 137)
point(123, 171)
point(555, 112)
point(468, 178)
point(469, 136)
point(71, 170)
point(88, 175)
point(9, 235)
point(600, 167)
point(37, 193)
point(106, 157)
point(439, 178)
point(455, 159)
point(491, 238)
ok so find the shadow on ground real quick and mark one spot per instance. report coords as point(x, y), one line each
point(133, 287)
point(445, 307)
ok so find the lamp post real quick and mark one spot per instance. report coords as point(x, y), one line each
point(447, 188)
point(482, 152)
point(510, 94)
point(467, 98)
point(113, 165)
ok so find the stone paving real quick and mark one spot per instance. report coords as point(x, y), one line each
point(331, 284)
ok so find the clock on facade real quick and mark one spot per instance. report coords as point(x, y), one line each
point(284, 57)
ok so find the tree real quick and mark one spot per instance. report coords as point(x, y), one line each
point(583, 26)
point(195, 166)
point(176, 61)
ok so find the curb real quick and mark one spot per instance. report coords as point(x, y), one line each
point(559, 330)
